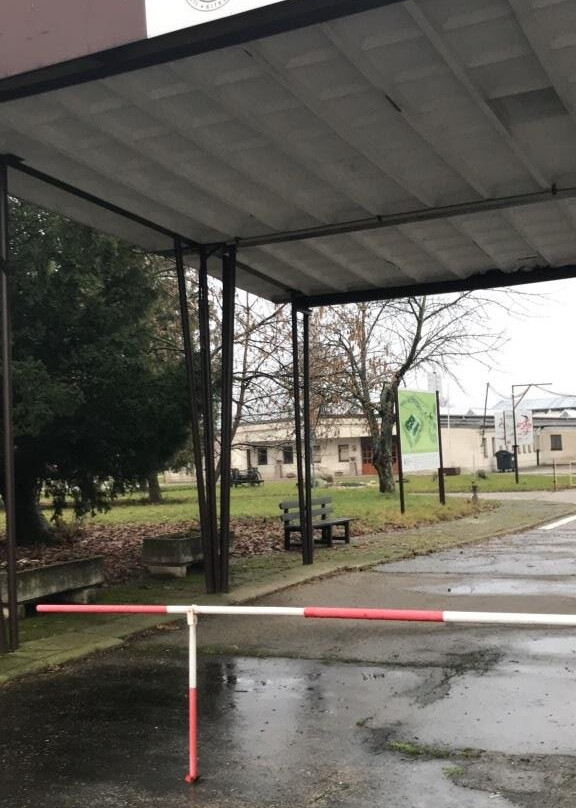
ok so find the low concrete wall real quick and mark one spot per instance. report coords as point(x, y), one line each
point(56, 579)
point(171, 554)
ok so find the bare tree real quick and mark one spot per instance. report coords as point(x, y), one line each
point(261, 382)
point(365, 351)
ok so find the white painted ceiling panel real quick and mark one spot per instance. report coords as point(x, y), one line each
point(404, 108)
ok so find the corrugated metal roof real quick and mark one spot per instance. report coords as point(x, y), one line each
point(551, 402)
point(409, 107)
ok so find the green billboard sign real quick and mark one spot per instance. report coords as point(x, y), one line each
point(418, 430)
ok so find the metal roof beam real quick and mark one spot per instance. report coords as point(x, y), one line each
point(17, 164)
point(409, 217)
point(492, 279)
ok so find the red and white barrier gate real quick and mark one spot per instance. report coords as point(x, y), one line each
point(192, 612)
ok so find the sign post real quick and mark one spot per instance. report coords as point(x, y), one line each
point(441, 486)
point(399, 456)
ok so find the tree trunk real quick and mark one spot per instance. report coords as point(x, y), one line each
point(154, 490)
point(32, 527)
point(384, 441)
point(383, 463)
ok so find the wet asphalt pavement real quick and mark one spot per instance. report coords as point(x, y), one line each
point(324, 713)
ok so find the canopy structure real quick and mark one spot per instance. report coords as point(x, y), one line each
point(348, 149)
point(311, 151)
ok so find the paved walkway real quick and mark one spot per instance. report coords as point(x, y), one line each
point(566, 496)
point(349, 714)
point(95, 634)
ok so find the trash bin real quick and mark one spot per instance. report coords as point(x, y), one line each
point(504, 460)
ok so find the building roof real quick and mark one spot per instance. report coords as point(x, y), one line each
point(407, 147)
point(550, 403)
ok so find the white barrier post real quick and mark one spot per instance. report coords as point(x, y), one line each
point(192, 775)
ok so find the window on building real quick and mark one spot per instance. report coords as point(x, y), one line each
point(556, 443)
point(288, 455)
point(262, 455)
point(316, 453)
point(343, 452)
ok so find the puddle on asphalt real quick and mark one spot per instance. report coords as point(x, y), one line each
point(559, 646)
point(502, 586)
point(279, 733)
point(282, 733)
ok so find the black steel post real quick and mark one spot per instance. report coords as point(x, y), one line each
point(298, 423)
point(208, 413)
point(399, 455)
point(194, 410)
point(307, 534)
point(228, 305)
point(8, 432)
point(441, 486)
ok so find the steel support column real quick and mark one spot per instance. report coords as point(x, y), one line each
point(193, 389)
point(307, 534)
point(8, 432)
point(228, 305)
point(208, 417)
point(298, 424)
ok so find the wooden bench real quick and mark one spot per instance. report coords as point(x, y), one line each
point(322, 520)
point(250, 476)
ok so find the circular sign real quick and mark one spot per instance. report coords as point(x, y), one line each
point(207, 5)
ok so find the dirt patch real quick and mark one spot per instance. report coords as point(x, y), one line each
point(121, 545)
point(528, 781)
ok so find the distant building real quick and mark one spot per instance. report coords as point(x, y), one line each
point(342, 446)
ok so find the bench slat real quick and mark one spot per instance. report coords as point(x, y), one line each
point(295, 504)
point(290, 517)
point(320, 525)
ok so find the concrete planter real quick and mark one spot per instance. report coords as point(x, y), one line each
point(172, 554)
point(72, 581)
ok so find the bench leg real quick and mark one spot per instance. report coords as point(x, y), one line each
point(327, 536)
point(347, 533)
point(286, 539)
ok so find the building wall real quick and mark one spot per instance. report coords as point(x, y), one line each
point(338, 448)
point(467, 448)
point(549, 436)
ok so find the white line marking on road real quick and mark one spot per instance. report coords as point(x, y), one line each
point(559, 523)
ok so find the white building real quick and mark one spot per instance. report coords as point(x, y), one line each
point(342, 446)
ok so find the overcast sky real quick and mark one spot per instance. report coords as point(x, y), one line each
point(539, 347)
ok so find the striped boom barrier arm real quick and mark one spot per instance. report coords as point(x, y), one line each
point(310, 612)
point(335, 613)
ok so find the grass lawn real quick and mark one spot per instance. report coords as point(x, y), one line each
point(372, 510)
point(418, 483)
point(356, 497)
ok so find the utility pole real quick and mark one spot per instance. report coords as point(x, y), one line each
point(514, 405)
